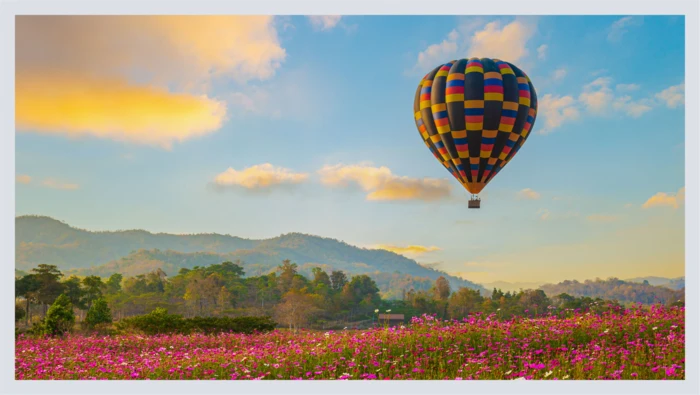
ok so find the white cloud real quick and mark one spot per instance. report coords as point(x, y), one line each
point(508, 43)
point(382, 184)
point(324, 22)
point(627, 87)
point(621, 26)
point(559, 74)
point(542, 52)
point(633, 108)
point(673, 96)
point(262, 176)
point(597, 95)
point(543, 214)
point(528, 194)
point(555, 110)
point(473, 38)
point(662, 199)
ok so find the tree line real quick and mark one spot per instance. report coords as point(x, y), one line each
point(324, 300)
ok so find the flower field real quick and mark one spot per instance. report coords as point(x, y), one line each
point(634, 344)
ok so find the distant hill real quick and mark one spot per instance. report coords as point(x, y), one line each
point(615, 289)
point(506, 286)
point(46, 240)
point(672, 283)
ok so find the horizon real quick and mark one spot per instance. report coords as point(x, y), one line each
point(304, 125)
point(538, 283)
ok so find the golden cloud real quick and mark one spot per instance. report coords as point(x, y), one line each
point(382, 184)
point(139, 79)
point(23, 179)
point(55, 184)
point(259, 177)
point(64, 104)
point(407, 250)
point(666, 199)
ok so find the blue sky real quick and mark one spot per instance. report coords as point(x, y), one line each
point(261, 126)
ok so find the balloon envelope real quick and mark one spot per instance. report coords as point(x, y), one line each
point(474, 115)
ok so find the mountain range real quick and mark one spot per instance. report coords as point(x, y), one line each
point(44, 240)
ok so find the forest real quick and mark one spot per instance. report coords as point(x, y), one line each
point(326, 300)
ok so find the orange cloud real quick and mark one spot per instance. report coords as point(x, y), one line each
point(259, 176)
point(73, 106)
point(666, 199)
point(382, 184)
point(54, 184)
point(23, 179)
point(407, 250)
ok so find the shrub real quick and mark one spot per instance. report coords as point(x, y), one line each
point(59, 318)
point(99, 313)
point(19, 312)
point(160, 322)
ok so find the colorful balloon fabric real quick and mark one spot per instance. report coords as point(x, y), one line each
point(474, 115)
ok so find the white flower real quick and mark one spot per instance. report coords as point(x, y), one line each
point(565, 377)
point(519, 378)
point(606, 331)
point(510, 371)
point(376, 310)
point(654, 328)
point(548, 374)
point(498, 309)
point(388, 310)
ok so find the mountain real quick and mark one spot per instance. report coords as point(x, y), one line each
point(506, 286)
point(672, 283)
point(45, 240)
point(615, 289)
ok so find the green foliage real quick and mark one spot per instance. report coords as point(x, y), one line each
point(613, 288)
point(60, 317)
point(99, 313)
point(160, 322)
point(20, 312)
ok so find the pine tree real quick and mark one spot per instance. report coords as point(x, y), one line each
point(60, 317)
point(99, 313)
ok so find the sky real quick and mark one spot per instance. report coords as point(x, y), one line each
point(256, 126)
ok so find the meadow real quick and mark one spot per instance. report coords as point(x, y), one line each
point(625, 344)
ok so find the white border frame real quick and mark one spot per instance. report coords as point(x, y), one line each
point(10, 8)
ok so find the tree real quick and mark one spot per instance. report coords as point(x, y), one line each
point(59, 318)
point(49, 285)
point(19, 312)
point(93, 286)
point(72, 288)
point(296, 309)
point(320, 277)
point(442, 293)
point(114, 283)
point(99, 313)
point(288, 271)
point(28, 287)
point(464, 301)
point(338, 280)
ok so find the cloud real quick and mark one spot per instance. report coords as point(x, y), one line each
point(627, 87)
point(55, 184)
point(558, 74)
point(543, 214)
point(673, 96)
point(602, 218)
point(72, 106)
point(621, 26)
point(633, 108)
point(473, 38)
point(437, 54)
point(324, 22)
point(597, 95)
point(662, 199)
point(542, 52)
point(508, 43)
point(23, 179)
point(407, 250)
point(528, 194)
point(262, 176)
point(158, 70)
point(555, 110)
point(382, 184)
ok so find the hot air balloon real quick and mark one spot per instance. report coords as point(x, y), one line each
point(474, 115)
